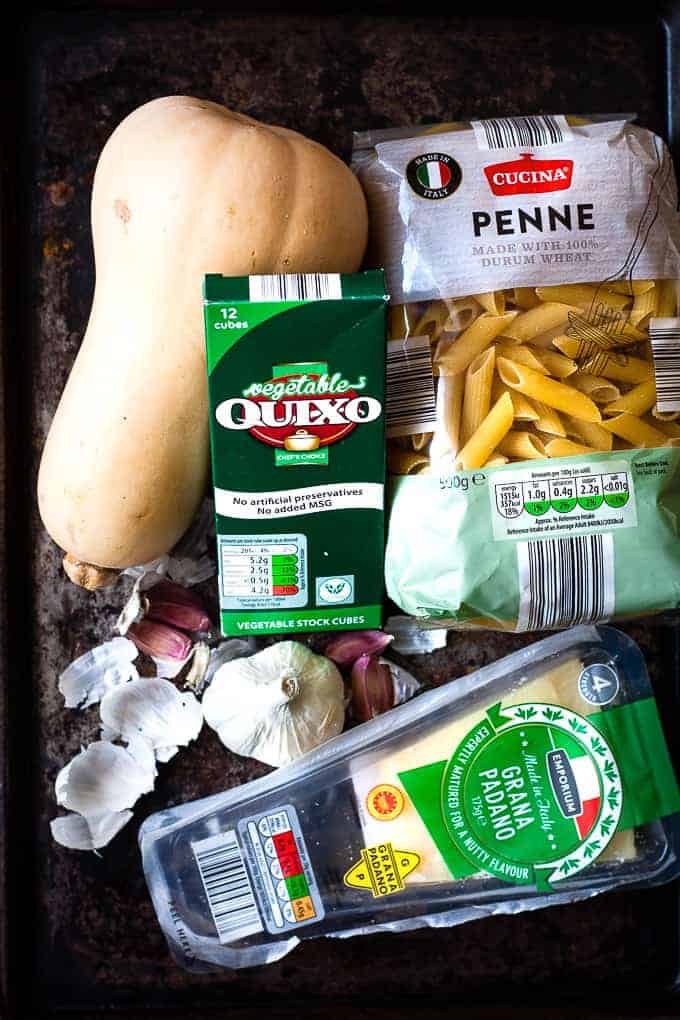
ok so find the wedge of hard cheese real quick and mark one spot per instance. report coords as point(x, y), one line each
point(558, 686)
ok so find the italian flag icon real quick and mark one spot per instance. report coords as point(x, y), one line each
point(434, 175)
point(588, 786)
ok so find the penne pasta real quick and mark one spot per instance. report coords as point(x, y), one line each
point(477, 398)
point(637, 401)
point(665, 415)
point(566, 448)
point(535, 321)
point(556, 394)
point(496, 460)
point(548, 420)
point(556, 364)
point(462, 313)
point(523, 355)
point(590, 433)
point(602, 391)
point(635, 431)
point(621, 368)
point(522, 446)
point(450, 392)
point(603, 334)
point(669, 428)
point(421, 440)
point(574, 348)
point(434, 320)
point(472, 342)
point(630, 287)
point(522, 407)
point(406, 462)
point(667, 299)
point(492, 302)
point(644, 307)
point(488, 436)
point(589, 298)
point(503, 349)
point(525, 297)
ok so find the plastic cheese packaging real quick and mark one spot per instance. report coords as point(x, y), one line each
point(534, 423)
point(543, 778)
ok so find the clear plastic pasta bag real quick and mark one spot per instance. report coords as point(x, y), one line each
point(543, 778)
point(533, 367)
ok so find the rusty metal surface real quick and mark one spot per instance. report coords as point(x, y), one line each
point(94, 940)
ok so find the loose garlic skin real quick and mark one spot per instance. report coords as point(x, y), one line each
point(277, 704)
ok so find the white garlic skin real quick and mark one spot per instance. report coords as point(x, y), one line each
point(277, 704)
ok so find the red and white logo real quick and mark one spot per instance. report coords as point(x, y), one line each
point(305, 422)
point(300, 410)
point(529, 176)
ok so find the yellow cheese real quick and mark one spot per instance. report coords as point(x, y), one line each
point(558, 686)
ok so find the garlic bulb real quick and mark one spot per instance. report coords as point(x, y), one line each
point(276, 704)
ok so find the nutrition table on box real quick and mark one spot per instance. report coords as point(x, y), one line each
point(259, 570)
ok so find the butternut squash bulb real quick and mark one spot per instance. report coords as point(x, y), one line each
point(183, 187)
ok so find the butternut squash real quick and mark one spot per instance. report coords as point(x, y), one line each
point(183, 187)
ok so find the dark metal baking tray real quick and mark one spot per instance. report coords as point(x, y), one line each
point(78, 934)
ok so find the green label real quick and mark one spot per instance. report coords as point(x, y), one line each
point(453, 551)
point(532, 794)
point(297, 393)
point(357, 618)
point(288, 458)
point(553, 498)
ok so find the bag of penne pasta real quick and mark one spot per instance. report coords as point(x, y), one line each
point(533, 368)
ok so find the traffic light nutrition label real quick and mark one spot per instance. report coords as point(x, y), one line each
point(566, 500)
point(263, 571)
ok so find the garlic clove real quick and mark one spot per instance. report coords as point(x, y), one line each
point(372, 687)
point(200, 661)
point(153, 709)
point(405, 684)
point(103, 777)
point(177, 606)
point(227, 651)
point(89, 677)
point(168, 669)
point(143, 753)
point(277, 704)
point(160, 641)
point(135, 608)
point(347, 647)
point(206, 661)
point(79, 833)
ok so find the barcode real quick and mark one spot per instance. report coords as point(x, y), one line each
point(411, 406)
point(564, 581)
point(665, 338)
point(227, 886)
point(296, 287)
point(516, 132)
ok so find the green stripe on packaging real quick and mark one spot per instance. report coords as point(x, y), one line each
point(636, 741)
point(356, 617)
point(444, 563)
point(650, 789)
point(423, 786)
